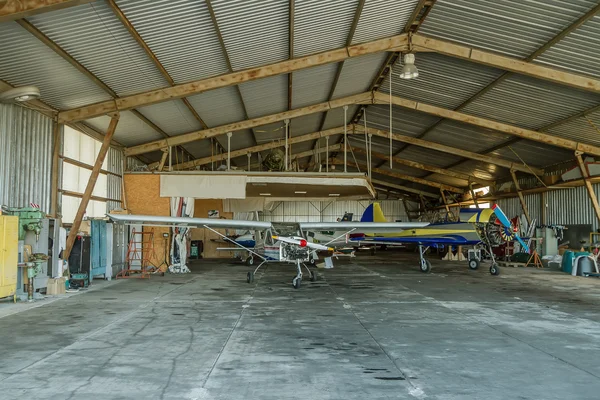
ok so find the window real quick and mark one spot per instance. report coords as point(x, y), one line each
point(481, 192)
point(81, 148)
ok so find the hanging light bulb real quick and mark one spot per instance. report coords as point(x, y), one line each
point(409, 70)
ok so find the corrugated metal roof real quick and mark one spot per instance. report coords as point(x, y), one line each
point(357, 74)
point(335, 117)
point(24, 60)
point(130, 131)
point(480, 169)
point(173, 117)
point(382, 18)
point(531, 103)
point(583, 129)
point(219, 107)
point(405, 121)
point(312, 85)
point(321, 25)
point(270, 132)
point(465, 136)
point(199, 148)
point(533, 153)
point(516, 28)
point(92, 34)
point(265, 96)
point(255, 33)
point(181, 35)
point(578, 52)
point(428, 156)
point(443, 81)
point(306, 124)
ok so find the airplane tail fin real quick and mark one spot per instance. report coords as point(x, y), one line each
point(373, 213)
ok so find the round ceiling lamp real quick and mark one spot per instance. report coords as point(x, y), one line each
point(20, 94)
point(409, 70)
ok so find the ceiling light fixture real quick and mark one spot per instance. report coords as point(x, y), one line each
point(409, 70)
point(20, 94)
point(300, 192)
point(334, 194)
point(265, 194)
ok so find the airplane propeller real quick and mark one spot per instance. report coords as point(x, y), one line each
point(506, 222)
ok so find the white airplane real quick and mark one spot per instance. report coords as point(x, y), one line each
point(277, 241)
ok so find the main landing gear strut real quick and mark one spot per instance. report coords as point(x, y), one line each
point(424, 264)
point(296, 281)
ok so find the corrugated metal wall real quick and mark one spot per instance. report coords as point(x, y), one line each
point(25, 157)
point(562, 207)
point(114, 164)
point(327, 211)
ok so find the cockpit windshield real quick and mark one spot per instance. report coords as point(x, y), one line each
point(286, 228)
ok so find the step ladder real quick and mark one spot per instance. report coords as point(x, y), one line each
point(139, 253)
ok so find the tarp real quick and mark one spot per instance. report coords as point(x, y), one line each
point(246, 205)
point(203, 186)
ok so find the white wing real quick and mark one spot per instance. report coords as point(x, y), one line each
point(157, 220)
point(361, 227)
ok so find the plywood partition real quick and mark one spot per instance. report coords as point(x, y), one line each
point(201, 209)
point(143, 197)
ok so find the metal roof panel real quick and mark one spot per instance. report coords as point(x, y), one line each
point(130, 131)
point(383, 18)
point(173, 117)
point(265, 96)
point(219, 106)
point(312, 85)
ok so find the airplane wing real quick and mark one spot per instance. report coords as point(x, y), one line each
point(361, 227)
point(157, 220)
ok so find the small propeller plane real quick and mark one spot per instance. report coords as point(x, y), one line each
point(486, 227)
point(277, 241)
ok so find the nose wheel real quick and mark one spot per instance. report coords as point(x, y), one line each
point(424, 264)
point(494, 270)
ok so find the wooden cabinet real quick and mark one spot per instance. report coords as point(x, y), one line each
point(9, 240)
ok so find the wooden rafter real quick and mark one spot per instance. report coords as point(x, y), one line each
point(403, 188)
point(361, 98)
point(588, 184)
point(561, 35)
point(11, 10)
point(452, 150)
point(234, 78)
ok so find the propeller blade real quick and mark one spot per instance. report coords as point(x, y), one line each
point(506, 222)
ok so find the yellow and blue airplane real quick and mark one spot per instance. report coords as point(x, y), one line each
point(486, 227)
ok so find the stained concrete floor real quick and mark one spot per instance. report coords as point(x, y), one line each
point(374, 328)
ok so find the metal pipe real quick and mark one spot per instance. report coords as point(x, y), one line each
point(170, 159)
point(249, 157)
point(345, 140)
point(327, 153)
point(229, 134)
point(287, 124)
point(391, 154)
point(370, 156)
point(367, 143)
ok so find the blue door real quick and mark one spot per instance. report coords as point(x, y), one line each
point(99, 250)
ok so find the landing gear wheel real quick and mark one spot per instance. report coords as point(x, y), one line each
point(296, 283)
point(494, 270)
point(473, 263)
point(312, 261)
point(425, 266)
point(250, 277)
point(314, 276)
point(250, 261)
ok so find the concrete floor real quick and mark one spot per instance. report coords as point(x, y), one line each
point(375, 328)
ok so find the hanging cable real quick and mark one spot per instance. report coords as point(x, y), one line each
point(170, 159)
point(229, 150)
point(370, 156)
point(249, 158)
point(390, 117)
point(345, 141)
point(287, 123)
point(367, 143)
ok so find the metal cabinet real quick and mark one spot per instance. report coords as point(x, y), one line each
point(9, 254)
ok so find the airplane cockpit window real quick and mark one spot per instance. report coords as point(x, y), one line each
point(286, 228)
point(269, 238)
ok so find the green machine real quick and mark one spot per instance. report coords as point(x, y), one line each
point(30, 220)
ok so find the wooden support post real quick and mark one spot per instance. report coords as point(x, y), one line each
point(445, 201)
point(544, 199)
point(588, 185)
point(90, 185)
point(520, 194)
point(473, 195)
point(423, 203)
point(406, 210)
point(55, 169)
point(163, 159)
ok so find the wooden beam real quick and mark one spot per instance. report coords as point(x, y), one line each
point(445, 201)
point(361, 98)
point(473, 195)
point(86, 166)
point(261, 147)
point(57, 137)
point(163, 159)
point(522, 133)
point(588, 184)
point(520, 194)
point(453, 150)
point(80, 196)
point(11, 10)
point(403, 188)
point(506, 63)
point(230, 79)
point(90, 185)
point(426, 167)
